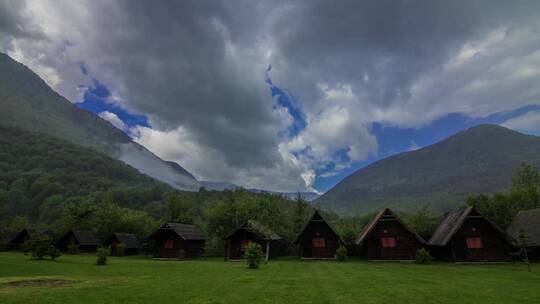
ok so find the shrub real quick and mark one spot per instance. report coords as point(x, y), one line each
point(341, 253)
point(54, 252)
point(120, 249)
point(40, 247)
point(73, 248)
point(148, 248)
point(102, 254)
point(423, 256)
point(254, 255)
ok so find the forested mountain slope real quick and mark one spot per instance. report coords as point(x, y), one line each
point(481, 159)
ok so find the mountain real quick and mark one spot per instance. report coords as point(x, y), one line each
point(481, 159)
point(27, 102)
point(220, 186)
point(40, 172)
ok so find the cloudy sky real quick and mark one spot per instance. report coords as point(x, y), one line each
point(285, 95)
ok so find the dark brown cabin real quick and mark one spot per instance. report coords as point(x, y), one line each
point(529, 221)
point(129, 240)
point(467, 236)
point(251, 231)
point(386, 237)
point(177, 241)
point(86, 240)
point(317, 240)
point(14, 239)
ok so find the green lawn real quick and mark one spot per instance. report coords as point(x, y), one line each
point(138, 280)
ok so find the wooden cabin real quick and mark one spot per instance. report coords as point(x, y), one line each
point(177, 241)
point(529, 221)
point(386, 237)
point(129, 240)
point(251, 231)
point(14, 239)
point(317, 239)
point(467, 236)
point(86, 240)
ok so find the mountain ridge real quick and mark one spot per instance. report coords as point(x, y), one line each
point(478, 160)
point(27, 102)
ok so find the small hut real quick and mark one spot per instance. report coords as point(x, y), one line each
point(251, 231)
point(317, 239)
point(529, 221)
point(386, 237)
point(14, 239)
point(128, 239)
point(177, 241)
point(86, 241)
point(467, 236)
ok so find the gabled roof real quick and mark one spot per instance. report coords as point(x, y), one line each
point(316, 217)
point(453, 222)
point(257, 228)
point(7, 237)
point(85, 237)
point(529, 221)
point(385, 213)
point(129, 239)
point(185, 231)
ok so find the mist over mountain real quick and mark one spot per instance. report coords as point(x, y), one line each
point(481, 159)
point(27, 102)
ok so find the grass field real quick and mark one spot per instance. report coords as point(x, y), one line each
point(138, 280)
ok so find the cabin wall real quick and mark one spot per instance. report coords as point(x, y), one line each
point(235, 244)
point(495, 248)
point(318, 230)
point(181, 249)
point(405, 246)
point(113, 242)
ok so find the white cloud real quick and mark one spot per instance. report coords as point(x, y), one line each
point(526, 123)
point(113, 119)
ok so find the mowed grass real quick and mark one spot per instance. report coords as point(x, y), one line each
point(139, 280)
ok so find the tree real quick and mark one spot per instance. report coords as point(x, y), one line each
point(522, 242)
point(178, 209)
point(422, 221)
point(526, 185)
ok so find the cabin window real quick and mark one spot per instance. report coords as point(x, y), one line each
point(169, 244)
point(244, 244)
point(388, 242)
point(319, 242)
point(474, 243)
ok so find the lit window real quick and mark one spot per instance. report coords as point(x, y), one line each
point(474, 243)
point(244, 244)
point(388, 242)
point(319, 242)
point(169, 244)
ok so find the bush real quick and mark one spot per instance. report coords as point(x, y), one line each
point(120, 249)
point(102, 254)
point(341, 253)
point(148, 248)
point(54, 252)
point(73, 248)
point(41, 247)
point(423, 256)
point(254, 255)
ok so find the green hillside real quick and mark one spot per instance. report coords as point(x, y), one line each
point(27, 102)
point(39, 173)
point(479, 160)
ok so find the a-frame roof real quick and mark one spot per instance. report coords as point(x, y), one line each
point(257, 228)
point(129, 239)
point(453, 222)
point(85, 237)
point(385, 214)
point(316, 217)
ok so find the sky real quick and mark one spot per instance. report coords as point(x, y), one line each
point(285, 95)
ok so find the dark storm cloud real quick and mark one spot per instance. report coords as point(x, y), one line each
point(393, 42)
